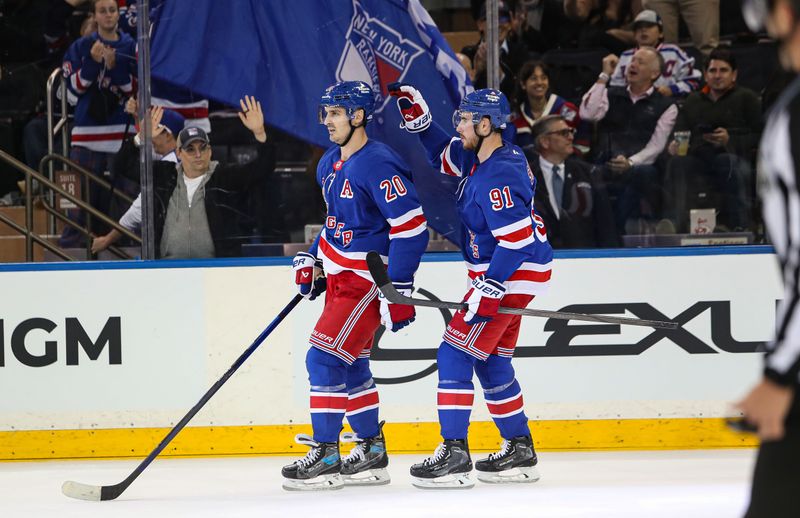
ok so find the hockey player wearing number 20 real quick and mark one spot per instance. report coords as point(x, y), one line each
point(372, 205)
point(504, 245)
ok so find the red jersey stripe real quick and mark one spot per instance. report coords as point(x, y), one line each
point(408, 225)
point(332, 254)
point(517, 235)
point(97, 136)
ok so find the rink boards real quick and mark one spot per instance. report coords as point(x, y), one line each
point(101, 359)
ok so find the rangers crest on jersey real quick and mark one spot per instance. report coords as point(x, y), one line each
point(375, 53)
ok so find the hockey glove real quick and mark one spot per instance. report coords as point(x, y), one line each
point(413, 108)
point(483, 300)
point(396, 316)
point(308, 275)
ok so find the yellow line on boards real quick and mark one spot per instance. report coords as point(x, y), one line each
point(622, 434)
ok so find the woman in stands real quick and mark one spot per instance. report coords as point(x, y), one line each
point(534, 100)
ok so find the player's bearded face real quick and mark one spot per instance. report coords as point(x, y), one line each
point(466, 131)
point(337, 123)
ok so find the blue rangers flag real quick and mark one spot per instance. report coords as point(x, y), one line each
point(287, 53)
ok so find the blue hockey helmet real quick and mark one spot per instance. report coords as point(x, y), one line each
point(486, 102)
point(350, 95)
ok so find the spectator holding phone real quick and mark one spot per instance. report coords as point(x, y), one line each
point(724, 123)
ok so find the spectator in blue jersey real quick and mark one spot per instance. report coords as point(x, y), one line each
point(99, 70)
point(679, 76)
point(508, 257)
point(195, 200)
point(724, 121)
point(193, 107)
point(570, 195)
point(372, 205)
point(634, 125)
point(535, 100)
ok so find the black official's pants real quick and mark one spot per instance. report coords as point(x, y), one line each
point(776, 479)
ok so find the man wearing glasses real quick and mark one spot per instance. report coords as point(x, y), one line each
point(571, 201)
point(194, 210)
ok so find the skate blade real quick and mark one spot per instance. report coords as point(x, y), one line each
point(454, 481)
point(321, 483)
point(519, 475)
point(372, 477)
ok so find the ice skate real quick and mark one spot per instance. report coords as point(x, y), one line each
point(447, 468)
point(366, 463)
point(515, 462)
point(318, 470)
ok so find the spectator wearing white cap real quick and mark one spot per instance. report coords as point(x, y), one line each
point(701, 17)
point(679, 76)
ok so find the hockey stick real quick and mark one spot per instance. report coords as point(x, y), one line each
point(97, 493)
point(381, 278)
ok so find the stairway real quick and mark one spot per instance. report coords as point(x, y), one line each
point(12, 244)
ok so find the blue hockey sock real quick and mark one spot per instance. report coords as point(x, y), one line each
point(362, 404)
point(328, 401)
point(503, 396)
point(455, 392)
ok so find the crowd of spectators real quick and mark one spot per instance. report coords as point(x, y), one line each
point(659, 120)
point(631, 114)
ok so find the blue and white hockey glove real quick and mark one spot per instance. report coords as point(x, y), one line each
point(483, 300)
point(413, 108)
point(397, 316)
point(308, 275)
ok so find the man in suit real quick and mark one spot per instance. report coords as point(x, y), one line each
point(571, 201)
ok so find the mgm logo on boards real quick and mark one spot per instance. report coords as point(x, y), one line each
point(30, 352)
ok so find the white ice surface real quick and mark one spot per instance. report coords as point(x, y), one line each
point(683, 484)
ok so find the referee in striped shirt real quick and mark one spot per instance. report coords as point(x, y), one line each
point(773, 405)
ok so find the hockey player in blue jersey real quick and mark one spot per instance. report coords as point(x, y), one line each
point(508, 258)
point(372, 205)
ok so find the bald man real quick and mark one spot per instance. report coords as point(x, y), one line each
point(634, 124)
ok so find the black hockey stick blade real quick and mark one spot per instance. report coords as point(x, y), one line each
point(381, 278)
point(97, 493)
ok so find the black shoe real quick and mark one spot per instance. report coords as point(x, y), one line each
point(322, 461)
point(366, 463)
point(515, 462)
point(448, 467)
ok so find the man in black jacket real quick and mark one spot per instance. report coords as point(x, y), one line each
point(573, 204)
point(184, 227)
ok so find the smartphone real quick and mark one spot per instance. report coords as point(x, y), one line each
point(740, 424)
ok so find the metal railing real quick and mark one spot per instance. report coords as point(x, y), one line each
point(30, 235)
point(54, 127)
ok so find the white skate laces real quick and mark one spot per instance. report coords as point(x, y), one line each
point(504, 449)
point(311, 456)
point(357, 452)
point(438, 454)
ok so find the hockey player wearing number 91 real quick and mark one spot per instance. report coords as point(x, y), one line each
point(372, 205)
point(504, 245)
